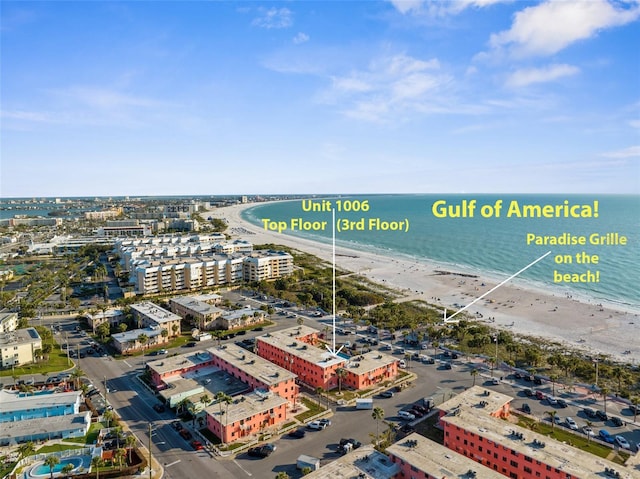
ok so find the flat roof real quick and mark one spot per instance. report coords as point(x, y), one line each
point(52, 425)
point(437, 460)
point(230, 315)
point(470, 398)
point(17, 401)
point(245, 406)
point(528, 443)
point(155, 312)
point(181, 361)
point(364, 363)
point(364, 462)
point(134, 333)
point(195, 304)
point(19, 336)
point(252, 364)
point(287, 340)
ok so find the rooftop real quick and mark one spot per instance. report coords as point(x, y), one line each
point(475, 419)
point(154, 312)
point(364, 463)
point(472, 397)
point(19, 336)
point(252, 364)
point(363, 363)
point(132, 336)
point(38, 427)
point(184, 361)
point(246, 406)
point(196, 305)
point(287, 341)
point(16, 401)
point(437, 460)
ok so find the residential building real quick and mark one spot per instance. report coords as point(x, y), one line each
point(362, 463)
point(300, 350)
point(130, 341)
point(246, 415)
point(475, 426)
point(201, 313)
point(269, 265)
point(103, 215)
point(148, 314)
point(19, 346)
point(125, 231)
point(8, 322)
point(113, 316)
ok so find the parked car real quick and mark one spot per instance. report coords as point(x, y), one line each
point(622, 442)
point(316, 426)
point(415, 412)
point(606, 436)
point(326, 422)
point(185, 434)
point(588, 431)
point(551, 400)
point(447, 365)
point(540, 395)
point(557, 419)
point(529, 392)
point(589, 412)
point(261, 451)
point(297, 433)
point(494, 381)
point(406, 415)
point(616, 421)
point(526, 408)
point(517, 375)
point(197, 445)
point(537, 380)
point(177, 425)
point(386, 394)
point(561, 402)
point(602, 415)
point(158, 407)
point(402, 364)
point(571, 424)
point(420, 408)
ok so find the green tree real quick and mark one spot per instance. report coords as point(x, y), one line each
point(108, 416)
point(67, 468)
point(129, 442)
point(635, 401)
point(282, 475)
point(120, 454)
point(319, 392)
point(26, 449)
point(552, 416)
point(51, 461)
point(340, 374)
point(605, 392)
point(97, 463)
point(142, 339)
point(474, 373)
point(377, 415)
point(122, 327)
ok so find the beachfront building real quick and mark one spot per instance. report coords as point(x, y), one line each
point(39, 416)
point(240, 318)
point(421, 458)
point(474, 426)
point(261, 266)
point(103, 215)
point(19, 346)
point(299, 350)
point(8, 322)
point(148, 314)
point(249, 414)
point(125, 231)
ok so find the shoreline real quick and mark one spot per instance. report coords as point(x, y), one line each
point(517, 306)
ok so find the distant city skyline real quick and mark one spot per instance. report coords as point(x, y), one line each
point(355, 97)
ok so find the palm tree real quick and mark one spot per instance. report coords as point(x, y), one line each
point(319, 392)
point(552, 415)
point(26, 449)
point(129, 442)
point(205, 399)
point(605, 392)
point(120, 454)
point(282, 475)
point(67, 468)
point(108, 415)
point(97, 462)
point(635, 401)
point(51, 461)
point(474, 373)
point(340, 373)
point(553, 378)
point(143, 339)
point(76, 375)
point(589, 425)
point(377, 415)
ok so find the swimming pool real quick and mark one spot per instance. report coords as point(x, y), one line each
point(42, 470)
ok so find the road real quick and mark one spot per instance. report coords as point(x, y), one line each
point(133, 403)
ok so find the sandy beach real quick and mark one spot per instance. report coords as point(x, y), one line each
point(581, 325)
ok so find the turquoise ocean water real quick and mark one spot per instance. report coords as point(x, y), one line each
point(492, 246)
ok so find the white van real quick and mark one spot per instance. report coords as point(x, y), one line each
point(402, 364)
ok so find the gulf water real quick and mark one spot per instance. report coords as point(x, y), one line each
point(492, 245)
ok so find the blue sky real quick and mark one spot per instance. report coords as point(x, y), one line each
point(177, 98)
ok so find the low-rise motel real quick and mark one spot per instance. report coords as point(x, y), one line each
point(300, 350)
point(475, 426)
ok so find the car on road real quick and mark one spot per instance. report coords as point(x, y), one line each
point(197, 445)
point(406, 415)
point(606, 436)
point(158, 407)
point(297, 433)
point(571, 424)
point(262, 451)
point(326, 422)
point(622, 442)
point(616, 421)
point(386, 394)
point(316, 426)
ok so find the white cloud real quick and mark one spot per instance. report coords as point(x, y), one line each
point(634, 123)
point(440, 7)
point(631, 152)
point(547, 28)
point(405, 6)
point(274, 18)
point(527, 76)
point(300, 38)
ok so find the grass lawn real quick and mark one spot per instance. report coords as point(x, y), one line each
point(58, 448)
point(313, 409)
